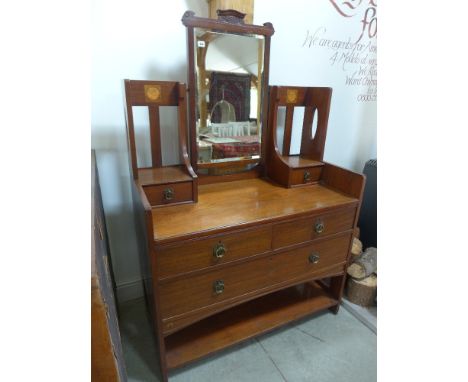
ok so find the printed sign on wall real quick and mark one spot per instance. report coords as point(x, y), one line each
point(355, 57)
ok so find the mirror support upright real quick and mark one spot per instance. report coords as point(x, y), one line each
point(232, 24)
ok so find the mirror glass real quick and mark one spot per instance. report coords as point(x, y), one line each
point(229, 70)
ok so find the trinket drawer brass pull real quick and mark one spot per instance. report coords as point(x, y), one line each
point(319, 226)
point(168, 194)
point(219, 251)
point(218, 286)
point(314, 258)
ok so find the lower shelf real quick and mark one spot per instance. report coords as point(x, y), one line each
point(245, 321)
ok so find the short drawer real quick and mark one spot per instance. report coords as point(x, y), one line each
point(203, 253)
point(172, 193)
point(302, 230)
point(182, 296)
point(305, 175)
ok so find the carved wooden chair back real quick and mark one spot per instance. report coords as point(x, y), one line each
point(154, 94)
point(316, 103)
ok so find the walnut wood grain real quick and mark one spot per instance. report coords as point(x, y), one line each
point(288, 130)
point(209, 179)
point(194, 293)
point(107, 362)
point(190, 20)
point(144, 230)
point(297, 176)
point(181, 192)
point(191, 83)
point(104, 364)
point(240, 204)
point(244, 322)
point(192, 255)
point(162, 175)
point(316, 101)
point(302, 230)
point(264, 106)
point(246, 7)
point(154, 94)
point(173, 325)
point(168, 95)
point(343, 180)
point(155, 133)
point(296, 161)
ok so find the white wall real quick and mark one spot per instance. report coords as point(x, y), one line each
point(352, 130)
point(145, 39)
point(142, 39)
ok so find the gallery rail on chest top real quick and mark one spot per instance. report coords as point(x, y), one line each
point(242, 236)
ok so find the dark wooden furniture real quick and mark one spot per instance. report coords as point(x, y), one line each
point(163, 185)
point(254, 252)
point(107, 363)
point(294, 170)
point(246, 259)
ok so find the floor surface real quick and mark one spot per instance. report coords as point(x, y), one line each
point(322, 348)
point(366, 314)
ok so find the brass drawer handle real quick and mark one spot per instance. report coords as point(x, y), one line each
point(218, 286)
point(314, 258)
point(319, 226)
point(306, 176)
point(168, 194)
point(219, 250)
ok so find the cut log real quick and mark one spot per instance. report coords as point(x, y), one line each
point(356, 271)
point(364, 265)
point(362, 292)
point(356, 249)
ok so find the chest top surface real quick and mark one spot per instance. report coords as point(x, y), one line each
point(240, 204)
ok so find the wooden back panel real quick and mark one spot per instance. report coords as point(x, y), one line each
point(154, 94)
point(316, 101)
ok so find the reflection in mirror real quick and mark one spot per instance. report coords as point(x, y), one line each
point(229, 70)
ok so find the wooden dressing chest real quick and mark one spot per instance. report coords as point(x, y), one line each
point(228, 257)
point(248, 257)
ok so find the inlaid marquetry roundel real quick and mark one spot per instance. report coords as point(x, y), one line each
point(291, 95)
point(152, 93)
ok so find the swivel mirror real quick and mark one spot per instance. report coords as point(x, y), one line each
point(228, 78)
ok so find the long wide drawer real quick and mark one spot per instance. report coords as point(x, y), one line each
point(182, 296)
point(203, 253)
point(302, 230)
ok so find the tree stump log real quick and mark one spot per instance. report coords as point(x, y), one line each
point(356, 249)
point(362, 292)
point(364, 265)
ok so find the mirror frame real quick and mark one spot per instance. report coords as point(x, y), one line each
point(229, 21)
